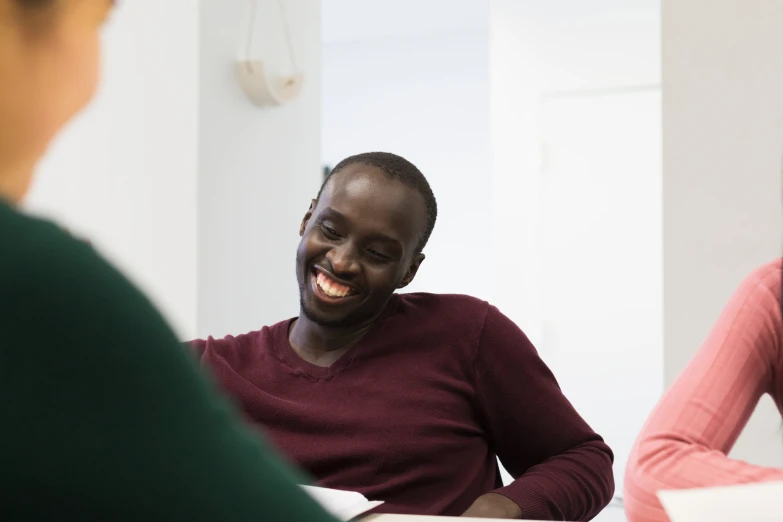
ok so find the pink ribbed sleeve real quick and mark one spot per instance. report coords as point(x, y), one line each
point(686, 439)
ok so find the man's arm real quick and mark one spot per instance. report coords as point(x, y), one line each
point(562, 468)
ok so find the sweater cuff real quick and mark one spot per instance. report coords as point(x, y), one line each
point(531, 499)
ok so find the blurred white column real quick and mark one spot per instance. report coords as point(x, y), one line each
point(257, 168)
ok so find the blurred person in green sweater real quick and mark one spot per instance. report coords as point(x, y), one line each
point(103, 416)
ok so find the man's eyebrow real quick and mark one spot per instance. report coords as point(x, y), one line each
point(377, 236)
point(334, 212)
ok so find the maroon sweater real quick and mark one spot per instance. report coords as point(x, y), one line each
point(416, 413)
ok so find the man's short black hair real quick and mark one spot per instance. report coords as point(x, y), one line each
point(400, 169)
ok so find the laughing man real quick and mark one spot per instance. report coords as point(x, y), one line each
point(407, 398)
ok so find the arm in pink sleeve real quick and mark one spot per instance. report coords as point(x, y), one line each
point(686, 440)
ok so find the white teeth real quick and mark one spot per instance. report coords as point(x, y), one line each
point(324, 284)
point(332, 292)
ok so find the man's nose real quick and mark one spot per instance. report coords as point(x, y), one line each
point(343, 259)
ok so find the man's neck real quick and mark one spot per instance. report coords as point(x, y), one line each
point(316, 337)
point(323, 345)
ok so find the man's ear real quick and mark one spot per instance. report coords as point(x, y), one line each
point(307, 217)
point(413, 269)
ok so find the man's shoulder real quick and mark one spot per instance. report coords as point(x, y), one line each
point(447, 325)
point(440, 300)
point(457, 308)
point(254, 339)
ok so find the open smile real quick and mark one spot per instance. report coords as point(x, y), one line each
point(328, 289)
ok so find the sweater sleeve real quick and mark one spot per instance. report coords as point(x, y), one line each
point(686, 439)
point(562, 469)
point(107, 418)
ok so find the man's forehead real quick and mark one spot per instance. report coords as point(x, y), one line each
point(365, 194)
point(357, 187)
point(363, 184)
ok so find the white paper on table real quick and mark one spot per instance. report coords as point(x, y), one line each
point(761, 502)
point(343, 505)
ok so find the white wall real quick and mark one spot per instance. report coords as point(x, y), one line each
point(577, 199)
point(361, 20)
point(722, 150)
point(542, 53)
point(424, 96)
point(195, 192)
point(124, 173)
point(257, 168)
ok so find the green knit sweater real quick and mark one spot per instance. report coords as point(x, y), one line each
point(103, 416)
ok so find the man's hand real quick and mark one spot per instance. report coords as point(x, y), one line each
point(493, 505)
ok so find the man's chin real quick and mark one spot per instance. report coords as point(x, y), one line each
point(323, 320)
